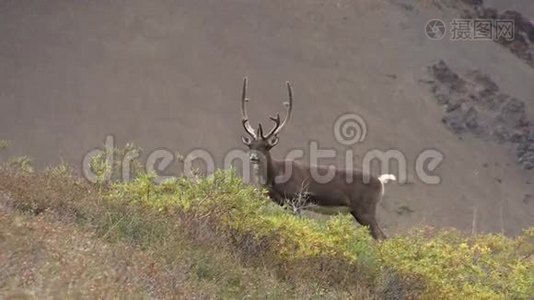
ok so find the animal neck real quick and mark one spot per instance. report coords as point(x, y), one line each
point(267, 170)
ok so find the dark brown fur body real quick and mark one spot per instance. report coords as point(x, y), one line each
point(359, 193)
point(360, 196)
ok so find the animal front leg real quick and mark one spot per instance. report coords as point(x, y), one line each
point(276, 197)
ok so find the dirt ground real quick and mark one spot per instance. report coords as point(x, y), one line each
point(167, 74)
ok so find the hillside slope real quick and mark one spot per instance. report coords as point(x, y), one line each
point(217, 237)
point(167, 74)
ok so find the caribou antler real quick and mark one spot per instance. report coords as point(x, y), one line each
point(277, 126)
point(289, 106)
point(260, 131)
point(244, 116)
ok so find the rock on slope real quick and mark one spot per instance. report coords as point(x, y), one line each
point(473, 104)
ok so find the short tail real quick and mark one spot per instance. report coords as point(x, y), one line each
point(384, 178)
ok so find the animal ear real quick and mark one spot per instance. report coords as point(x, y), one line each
point(246, 140)
point(273, 141)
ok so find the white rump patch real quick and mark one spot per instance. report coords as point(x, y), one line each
point(384, 178)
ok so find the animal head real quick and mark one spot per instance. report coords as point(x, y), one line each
point(257, 142)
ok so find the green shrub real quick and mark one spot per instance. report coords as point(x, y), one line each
point(256, 224)
point(454, 266)
point(4, 144)
point(21, 163)
point(117, 164)
point(445, 264)
point(335, 255)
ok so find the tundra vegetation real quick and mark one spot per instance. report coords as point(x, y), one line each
point(218, 237)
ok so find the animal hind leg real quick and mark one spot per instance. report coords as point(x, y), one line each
point(368, 219)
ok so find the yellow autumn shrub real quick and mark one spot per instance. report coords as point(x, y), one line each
point(445, 264)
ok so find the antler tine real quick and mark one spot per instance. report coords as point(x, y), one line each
point(289, 106)
point(276, 124)
point(260, 131)
point(277, 119)
point(244, 116)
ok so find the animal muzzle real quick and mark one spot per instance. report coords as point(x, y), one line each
point(254, 158)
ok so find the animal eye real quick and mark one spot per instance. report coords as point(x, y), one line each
point(246, 140)
point(273, 141)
